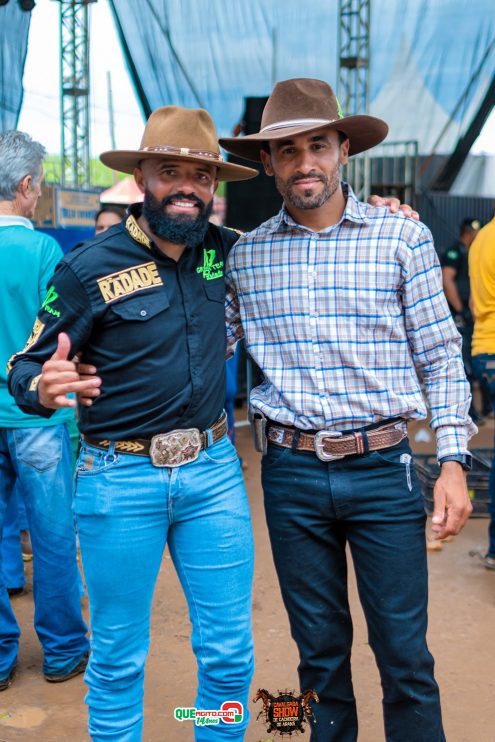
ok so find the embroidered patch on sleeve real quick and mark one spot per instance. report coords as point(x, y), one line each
point(32, 339)
point(50, 298)
point(34, 383)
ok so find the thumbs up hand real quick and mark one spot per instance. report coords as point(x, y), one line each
point(60, 377)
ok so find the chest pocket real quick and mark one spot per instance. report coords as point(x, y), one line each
point(141, 308)
point(215, 290)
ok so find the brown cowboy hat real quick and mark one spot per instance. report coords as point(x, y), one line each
point(178, 134)
point(301, 105)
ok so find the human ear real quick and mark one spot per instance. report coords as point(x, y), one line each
point(139, 178)
point(267, 162)
point(26, 185)
point(344, 152)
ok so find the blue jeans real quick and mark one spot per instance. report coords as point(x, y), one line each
point(126, 511)
point(373, 503)
point(484, 369)
point(15, 520)
point(39, 459)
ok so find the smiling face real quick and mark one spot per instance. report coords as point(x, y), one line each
point(178, 198)
point(306, 167)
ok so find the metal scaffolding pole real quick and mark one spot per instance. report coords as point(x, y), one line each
point(74, 92)
point(353, 88)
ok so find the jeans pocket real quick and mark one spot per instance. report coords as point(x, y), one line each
point(92, 461)
point(275, 456)
point(221, 452)
point(39, 448)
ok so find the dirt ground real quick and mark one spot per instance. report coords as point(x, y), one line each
point(461, 637)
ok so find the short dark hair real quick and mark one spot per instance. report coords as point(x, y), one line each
point(469, 225)
point(109, 208)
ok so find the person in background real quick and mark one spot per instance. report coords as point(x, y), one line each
point(455, 277)
point(108, 216)
point(482, 276)
point(15, 544)
point(35, 451)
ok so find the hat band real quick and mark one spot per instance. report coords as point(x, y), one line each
point(170, 149)
point(296, 122)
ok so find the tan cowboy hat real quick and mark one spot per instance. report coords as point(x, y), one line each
point(178, 134)
point(300, 105)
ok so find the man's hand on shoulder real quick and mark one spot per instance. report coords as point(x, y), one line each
point(452, 504)
point(394, 205)
point(60, 377)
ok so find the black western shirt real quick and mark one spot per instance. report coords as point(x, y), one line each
point(153, 327)
point(457, 257)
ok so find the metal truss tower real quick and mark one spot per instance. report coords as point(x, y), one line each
point(353, 89)
point(74, 92)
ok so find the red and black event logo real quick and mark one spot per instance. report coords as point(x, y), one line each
point(286, 712)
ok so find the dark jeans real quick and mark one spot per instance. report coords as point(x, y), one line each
point(484, 368)
point(374, 504)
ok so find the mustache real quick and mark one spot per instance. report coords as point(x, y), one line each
point(303, 176)
point(183, 197)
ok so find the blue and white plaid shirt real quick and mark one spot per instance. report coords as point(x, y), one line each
point(343, 321)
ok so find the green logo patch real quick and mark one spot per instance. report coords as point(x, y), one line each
point(49, 299)
point(210, 269)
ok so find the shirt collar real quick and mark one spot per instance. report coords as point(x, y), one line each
point(132, 226)
point(15, 221)
point(353, 212)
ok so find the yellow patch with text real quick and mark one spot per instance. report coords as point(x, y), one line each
point(34, 383)
point(129, 281)
point(35, 335)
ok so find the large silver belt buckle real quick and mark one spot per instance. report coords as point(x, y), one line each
point(175, 448)
point(320, 442)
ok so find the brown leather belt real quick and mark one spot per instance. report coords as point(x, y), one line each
point(330, 445)
point(171, 449)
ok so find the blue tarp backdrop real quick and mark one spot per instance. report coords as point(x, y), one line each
point(14, 29)
point(431, 60)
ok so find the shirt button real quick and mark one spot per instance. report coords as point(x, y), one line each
point(143, 312)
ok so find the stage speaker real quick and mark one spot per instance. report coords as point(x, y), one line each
point(251, 202)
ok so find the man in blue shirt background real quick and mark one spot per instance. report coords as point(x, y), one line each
point(34, 451)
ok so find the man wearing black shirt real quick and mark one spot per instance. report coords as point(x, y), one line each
point(455, 275)
point(144, 305)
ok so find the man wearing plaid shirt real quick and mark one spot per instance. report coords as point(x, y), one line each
point(342, 307)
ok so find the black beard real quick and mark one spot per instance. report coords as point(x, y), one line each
point(308, 199)
point(180, 229)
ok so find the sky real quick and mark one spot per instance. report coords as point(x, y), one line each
point(40, 113)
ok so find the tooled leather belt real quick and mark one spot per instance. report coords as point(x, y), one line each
point(330, 445)
point(170, 449)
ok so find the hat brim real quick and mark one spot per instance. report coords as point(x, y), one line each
point(125, 161)
point(363, 132)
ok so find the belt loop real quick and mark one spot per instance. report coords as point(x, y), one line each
point(366, 445)
point(295, 440)
point(209, 437)
point(110, 454)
